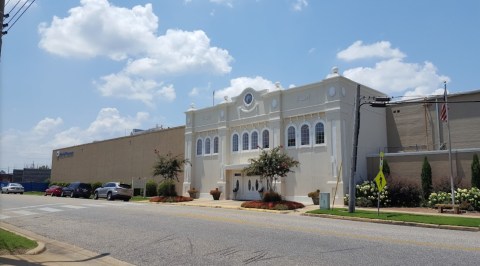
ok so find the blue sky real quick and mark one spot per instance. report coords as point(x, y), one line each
point(73, 71)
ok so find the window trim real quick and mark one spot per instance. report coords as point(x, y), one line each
point(196, 147)
point(251, 140)
point(218, 144)
point(232, 143)
point(268, 131)
point(295, 136)
point(315, 133)
point(209, 146)
point(309, 144)
point(248, 144)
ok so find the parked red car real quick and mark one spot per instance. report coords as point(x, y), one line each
point(54, 191)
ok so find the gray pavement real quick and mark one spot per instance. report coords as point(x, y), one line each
point(51, 252)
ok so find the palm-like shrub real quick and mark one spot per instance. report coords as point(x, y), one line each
point(475, 172)
point(426, 177)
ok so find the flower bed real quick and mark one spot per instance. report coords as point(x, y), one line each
point(277, 205)
point(170, 199)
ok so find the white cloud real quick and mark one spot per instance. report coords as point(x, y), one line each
point(239, 84)
point(194, 92)
point(19, 148)
point(298, 5)
point(377, 50)
point(392, 75)
point(228, 3)
point(97, 28)
point(146, 90)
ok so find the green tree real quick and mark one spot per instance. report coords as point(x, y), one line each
point(475, 172)
point(271, 164)
point(426, 179)
point(169, 166)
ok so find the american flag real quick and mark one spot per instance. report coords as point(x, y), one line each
point(444, 110)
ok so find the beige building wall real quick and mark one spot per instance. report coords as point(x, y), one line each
point(415, 130)
point(416, 126)
point(330, 102)
point(121, 159)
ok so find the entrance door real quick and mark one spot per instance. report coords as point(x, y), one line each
point(250, 187)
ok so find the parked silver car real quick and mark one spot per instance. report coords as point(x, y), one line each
point(13, 188)
point(114, 190)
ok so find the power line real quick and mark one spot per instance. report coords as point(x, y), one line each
point(10, 26)
point(11, 18)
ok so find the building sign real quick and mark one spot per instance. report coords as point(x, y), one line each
point(64, 154)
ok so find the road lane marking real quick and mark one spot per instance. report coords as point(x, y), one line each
point(72, 206)
point(94, 205)
point(47, 209)
point(24, 212)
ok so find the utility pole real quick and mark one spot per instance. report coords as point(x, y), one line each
point(356, 130)
point(2, 13)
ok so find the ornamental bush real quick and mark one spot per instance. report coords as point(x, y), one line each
point(366, 195)
point(468, 199)
point(167, 188)
point(151, 188)
point(475, 172)
point(426, 177)
point(404, 194)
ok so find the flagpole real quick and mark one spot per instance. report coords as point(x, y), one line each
point(449, 145)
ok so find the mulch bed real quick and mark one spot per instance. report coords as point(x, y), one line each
point(170, 199)
point(277, 205)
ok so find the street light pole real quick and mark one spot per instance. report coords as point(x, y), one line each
point(356, 130)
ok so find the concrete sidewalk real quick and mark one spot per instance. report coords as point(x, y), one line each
point(52, 252)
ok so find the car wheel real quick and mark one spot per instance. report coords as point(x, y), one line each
point(52, 194)
point(95, 196)
point(72, 195)
point(62, 195)
point(21, 193)
point(126, 199)
point(109, 196)
point(45, 194)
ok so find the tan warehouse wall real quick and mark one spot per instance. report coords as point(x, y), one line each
point(408, 166)
point(119, 159)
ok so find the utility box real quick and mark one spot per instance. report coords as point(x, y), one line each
point(325, 201)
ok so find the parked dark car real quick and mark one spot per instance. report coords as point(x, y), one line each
point(77, 189)
point(54, 191)
point(114, 190)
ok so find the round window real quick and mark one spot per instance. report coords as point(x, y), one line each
point(248, 99)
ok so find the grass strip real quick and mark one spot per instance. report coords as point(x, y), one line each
point(35, 193)
point(11, 243)
point(405, 217)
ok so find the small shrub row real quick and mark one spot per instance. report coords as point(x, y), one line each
point(170, 199)
point(277, 205)
point(468, 199)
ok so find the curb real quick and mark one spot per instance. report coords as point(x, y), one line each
point(358, 219)
point(40, 248)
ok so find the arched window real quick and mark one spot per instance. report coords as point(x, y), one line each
point(235, 142)
point(245, 141)
point(207, 146)
point(254, 140)
point(265, 139)
point(305, 135)
point(199, 147)
point(291, 137)
point(319, 133)
point(215, 145)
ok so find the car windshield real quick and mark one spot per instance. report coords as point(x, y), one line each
point(15, 185)
point(124, 186)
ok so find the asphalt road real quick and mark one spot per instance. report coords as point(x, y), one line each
point(166, 234)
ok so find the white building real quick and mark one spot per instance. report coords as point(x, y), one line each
point(314, 124)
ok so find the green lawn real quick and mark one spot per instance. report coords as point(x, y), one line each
point(405, 217)
point(36, 193)
point(11, 243)
point(139, 198)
